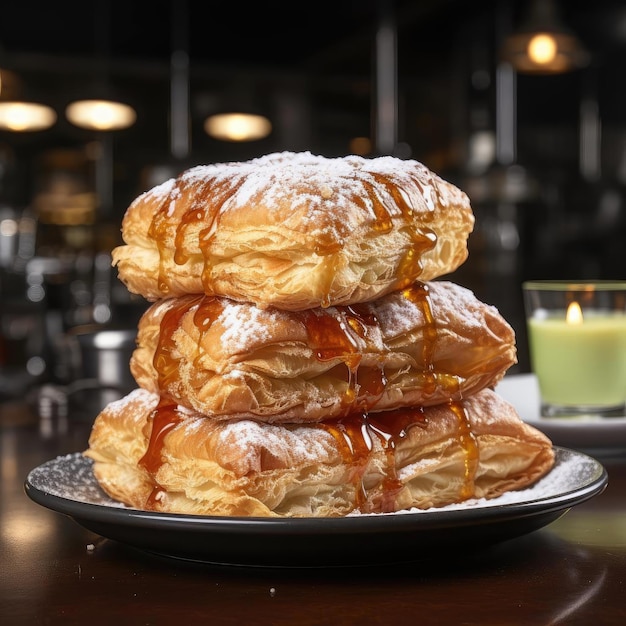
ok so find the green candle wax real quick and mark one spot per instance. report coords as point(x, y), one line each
point(580, 364)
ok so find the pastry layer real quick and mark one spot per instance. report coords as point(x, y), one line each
point(151, 454)
point(421, 346)
point(294, 230)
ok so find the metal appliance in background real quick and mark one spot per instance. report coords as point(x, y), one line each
point(97, 360)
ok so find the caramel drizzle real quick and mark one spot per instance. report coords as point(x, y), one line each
point(418, 293)
point(469, 445)
point(195, 215)
point(160, 227)
point(332, 337)
point(205, 215)
point(172, 219)
point(337, 337)
point(162, 420)
point(355, 435)
point(164, 360)
point(423, 239)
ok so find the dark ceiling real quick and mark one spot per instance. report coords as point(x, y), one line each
point(285, 36)
point(324, 35)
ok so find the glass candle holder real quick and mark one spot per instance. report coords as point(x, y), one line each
point(577, 346)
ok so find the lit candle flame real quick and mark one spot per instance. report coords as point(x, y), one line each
point(574, 314)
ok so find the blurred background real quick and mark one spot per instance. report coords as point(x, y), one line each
point(520, 103)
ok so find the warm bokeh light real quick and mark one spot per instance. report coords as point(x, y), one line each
point(237, 126)
point(26, 116)
point(100, 115)
point(542, 49)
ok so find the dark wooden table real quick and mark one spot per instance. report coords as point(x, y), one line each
point(52, 571)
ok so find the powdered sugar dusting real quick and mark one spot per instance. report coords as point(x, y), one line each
point(136, 404)
point(260, 441)
point(244, 324)
point(397, 314)
point(70, 477)
point(161, 192)
point(173, 198)
point(447, 297)
point(320, 180)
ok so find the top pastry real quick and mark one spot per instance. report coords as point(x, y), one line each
point(294, 231)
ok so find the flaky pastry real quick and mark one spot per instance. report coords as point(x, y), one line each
point(154, 455)
point(421, 346)
point(294, 231)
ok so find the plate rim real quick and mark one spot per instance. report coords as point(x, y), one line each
point(314, 542)
point(487, 512)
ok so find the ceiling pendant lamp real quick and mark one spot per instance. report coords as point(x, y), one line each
point(237, 126)
point(100, 114)
point(239, 114)
point(543, 44)
point(19, 117)
point(18, 114)
point(99, 109)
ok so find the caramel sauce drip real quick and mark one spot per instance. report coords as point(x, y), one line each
point(390, 429)
point(331, 265)
point(151, 501)
point(164, 361)
point(355, 435)
point(338, 337)
point(192, 216)
point(206, 216)
point(158, 232)
point(418, 293)
point(163, 226)
point(468, 442)
point(383, 222)
point(331, 337)
point(423, 239)
point(219, 193)
point(162, 419)
point(208, 309)
point(355, 446)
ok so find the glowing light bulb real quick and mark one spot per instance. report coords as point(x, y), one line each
point(542, 49)
point(25, 116)
point(238, 127)
point(101, 114)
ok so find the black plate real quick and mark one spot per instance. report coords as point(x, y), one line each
point(67, 485)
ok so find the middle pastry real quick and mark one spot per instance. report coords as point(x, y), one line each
point(425, 345)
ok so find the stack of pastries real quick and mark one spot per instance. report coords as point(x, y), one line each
point(302, 354)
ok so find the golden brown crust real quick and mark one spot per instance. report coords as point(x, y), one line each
point(294, 230)
point(421, 346)
point(415, 458)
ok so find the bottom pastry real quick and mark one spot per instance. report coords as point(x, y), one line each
point(152, 454)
